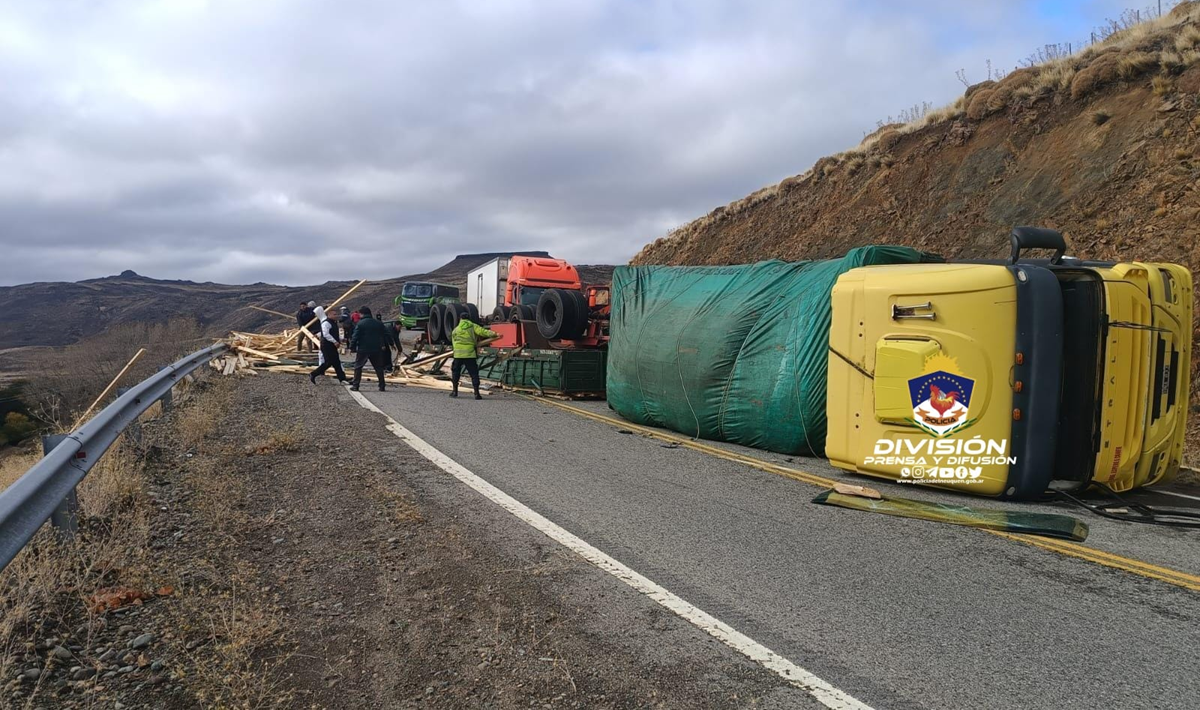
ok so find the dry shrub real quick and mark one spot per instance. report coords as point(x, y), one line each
point(1054, 78)
point(1135, 63)
point(1187, 38)
point(854, 164)
point(280, 441)
point(1170, 61)
point(888, 139)
point(231, 671)
point(197, 421)
point(43, 589)
point(1104, 69)
point(1162, 85)
point(14, 463)
point(976, 88)
point(72, 377)
point(1003, 93)
point(979, 105)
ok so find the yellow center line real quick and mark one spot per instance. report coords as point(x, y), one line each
point(1063, 547)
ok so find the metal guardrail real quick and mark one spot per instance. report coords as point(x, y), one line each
point(47, 490)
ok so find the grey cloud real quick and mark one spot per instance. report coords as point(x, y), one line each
point(297, 142)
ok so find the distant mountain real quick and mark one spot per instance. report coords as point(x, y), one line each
point(54, 313)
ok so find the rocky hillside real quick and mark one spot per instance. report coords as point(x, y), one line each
point(50, 314)
point(1101, 145)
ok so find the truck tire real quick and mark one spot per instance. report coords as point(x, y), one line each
point(520, 313)
point(433, 328)
point(581, 311)
point(501, 314)
point(450, 318)
point(557, 315)
point(473, 310)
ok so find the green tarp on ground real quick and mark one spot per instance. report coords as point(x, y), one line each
point(730, 353)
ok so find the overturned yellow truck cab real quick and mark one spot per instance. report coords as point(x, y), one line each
point(1011, 378)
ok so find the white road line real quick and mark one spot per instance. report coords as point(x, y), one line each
point(824, 693)
point(1171, 493)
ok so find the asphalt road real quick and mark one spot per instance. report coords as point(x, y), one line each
point(899, 613)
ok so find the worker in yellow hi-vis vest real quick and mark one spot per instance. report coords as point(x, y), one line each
point(465, 339)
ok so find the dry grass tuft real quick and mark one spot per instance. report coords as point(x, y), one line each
point(1102, 70)
point(1135, 63)
point(1161, 85)
point(281, 440)
point(980, 104)
point(1188, 38)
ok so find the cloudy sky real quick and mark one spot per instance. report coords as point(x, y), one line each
point(304, 140)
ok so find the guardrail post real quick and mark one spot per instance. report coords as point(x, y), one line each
point(66, 516)
point(166, 398)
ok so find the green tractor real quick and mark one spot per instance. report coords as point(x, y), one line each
point(418, 297)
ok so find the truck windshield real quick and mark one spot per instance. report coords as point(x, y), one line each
point(530, 295)
point(409, 308)
point(416, 290)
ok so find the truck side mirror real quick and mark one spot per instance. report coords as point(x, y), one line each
point(1037, 238)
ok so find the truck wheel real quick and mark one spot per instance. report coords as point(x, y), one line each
point(501, 314)
point(474, 312)
point(520, 313)
point(433, 328)
point(450, 318)
point(556, 315)
point(581, 312)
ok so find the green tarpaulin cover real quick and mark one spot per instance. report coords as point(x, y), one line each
point(730, 353)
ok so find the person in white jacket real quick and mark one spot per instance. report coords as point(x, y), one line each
point(330, 356)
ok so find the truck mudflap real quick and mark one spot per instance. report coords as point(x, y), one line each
point(1036, 381)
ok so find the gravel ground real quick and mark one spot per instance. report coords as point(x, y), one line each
point(305, 557)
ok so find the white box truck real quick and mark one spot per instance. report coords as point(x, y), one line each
point(486, 284)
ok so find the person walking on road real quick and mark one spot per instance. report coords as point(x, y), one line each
point(303, 316)
point(368, 342)
point(331, 356)
point(466, 339)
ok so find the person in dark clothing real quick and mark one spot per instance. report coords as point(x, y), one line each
point(368, 341)
point(303, 316)
point(347, 323)
point(331, 356)
point(391, 342)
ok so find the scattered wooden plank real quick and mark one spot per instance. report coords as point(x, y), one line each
point(115, 380)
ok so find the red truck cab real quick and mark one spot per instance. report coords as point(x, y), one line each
point(529, 276)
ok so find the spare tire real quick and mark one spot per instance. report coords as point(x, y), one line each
point(450, 317)
point(433, 328)
point(557, 317)
point(581, 312)
point(520, 313)
point(501, 314)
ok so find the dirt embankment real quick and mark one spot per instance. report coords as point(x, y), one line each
point(272, 550)
point(1102, 146)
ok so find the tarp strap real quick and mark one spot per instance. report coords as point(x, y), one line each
point(851, 363)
